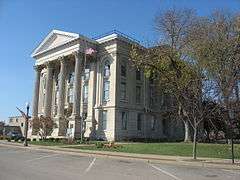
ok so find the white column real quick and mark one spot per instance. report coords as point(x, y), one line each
point(77, 93)
point(61, 98)
point(49, 84)
point(90, 120)
point(36, 92)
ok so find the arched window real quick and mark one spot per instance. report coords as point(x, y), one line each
point(106, 82)
point(106, 69)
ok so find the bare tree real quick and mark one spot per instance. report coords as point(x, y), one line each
point(215, 45)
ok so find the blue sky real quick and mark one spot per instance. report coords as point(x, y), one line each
point(24, 23)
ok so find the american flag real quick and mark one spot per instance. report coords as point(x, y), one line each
point(90, 51)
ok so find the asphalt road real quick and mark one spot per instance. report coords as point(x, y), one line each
point(25, 164)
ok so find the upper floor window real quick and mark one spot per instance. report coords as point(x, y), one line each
point(138, 94)
point(70, 95)
point(71, 78)
point(106, 87)
point(86, 72)
point(123, 70)
point(106, 71)
point(138, 75)
point(85, 93)
point(106, 82)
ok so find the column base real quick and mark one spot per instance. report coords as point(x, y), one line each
point(90, 129)
point(62, 126)
point(74, 127)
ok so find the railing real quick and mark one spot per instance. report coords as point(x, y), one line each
point(118, 33)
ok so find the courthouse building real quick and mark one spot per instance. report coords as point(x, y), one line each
point(89, 86)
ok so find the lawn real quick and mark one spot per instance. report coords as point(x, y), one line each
point(174, 149)
point(46, 143)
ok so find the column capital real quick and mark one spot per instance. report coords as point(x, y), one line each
point(37, 68)
point(62, 59)
point(49, 65)
point(76, 53)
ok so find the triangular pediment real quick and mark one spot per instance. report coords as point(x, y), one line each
point(54, 38)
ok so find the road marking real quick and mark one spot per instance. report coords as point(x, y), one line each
point(42, 157)
point(90, 165)
point(165, 172)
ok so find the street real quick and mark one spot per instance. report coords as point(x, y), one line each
point(28, 164)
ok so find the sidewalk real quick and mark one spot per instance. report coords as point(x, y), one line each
point(178, 160)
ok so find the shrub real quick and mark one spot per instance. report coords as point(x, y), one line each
point(57, 140)
point(64, 141)
point(51, 139)
point(99, 144)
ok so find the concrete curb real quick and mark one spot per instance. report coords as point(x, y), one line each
point(176, 160)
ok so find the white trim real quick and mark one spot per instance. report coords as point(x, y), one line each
point(74, 36)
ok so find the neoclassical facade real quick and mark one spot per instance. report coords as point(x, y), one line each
point(100, 95)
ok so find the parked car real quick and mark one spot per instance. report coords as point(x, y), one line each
point(15, 136)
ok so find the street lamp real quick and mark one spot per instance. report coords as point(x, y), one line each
point(26, 124)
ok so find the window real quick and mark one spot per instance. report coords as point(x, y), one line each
point(139, 122)
point(138, 75)
point(124, 120)
point(43, 88)
point(164, 126)
point(71, 78)
point(16, 119)
point(106, 87)
point(85, 93)
point(86, 73)
point(56, 100)
point(106, 82)
point(106, 72)
point(70, 95)
point(104, 120)
point(70, 88)
point(153, 123)
point(123, 70)
point(138, 94)
point(123, 90)
point(21, 124)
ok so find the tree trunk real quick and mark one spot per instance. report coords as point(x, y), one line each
point(195, 143)
point(187, 137)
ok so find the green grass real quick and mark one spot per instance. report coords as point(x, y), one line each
point(46, 143)
point(172, 149)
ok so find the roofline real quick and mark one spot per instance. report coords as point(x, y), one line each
point(77, 36)
point(114, 35)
